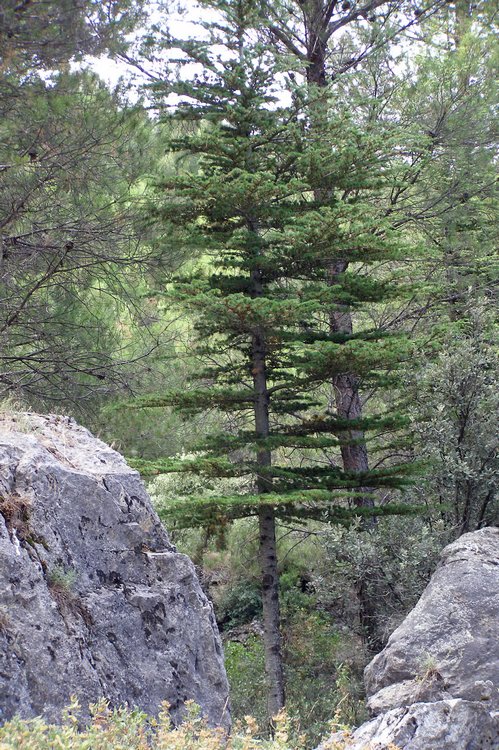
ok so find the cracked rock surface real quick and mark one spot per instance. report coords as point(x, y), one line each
point(448, 645)
point(435, 686)
point(94, 599)
point(444, 725)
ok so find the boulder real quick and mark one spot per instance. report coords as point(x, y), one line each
point(435, 684)
point(94, 599)
point(444, 725)
point(447, 646)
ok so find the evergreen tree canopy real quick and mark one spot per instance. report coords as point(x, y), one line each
point(283, 218)
point(69, 241)
point(41, 34)
point(260, 294)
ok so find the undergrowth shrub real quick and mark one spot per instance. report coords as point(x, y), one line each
point(323, 667)
point(123, 729)
point(394, 561)
point(322, 676)
point(239, 604)
point(322, 681)
point(245, 666)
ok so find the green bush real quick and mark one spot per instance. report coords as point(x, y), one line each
point(122, 729)
point(323, 668)
point(245, 665)
point(323, 676)
point(394, 561)
point(240, 604)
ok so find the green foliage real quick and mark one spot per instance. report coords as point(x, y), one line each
point(288, 205)
point(452, 96)
point(245, 665)
point(206, 510)
point(71, 255)
point(393, 561)
point(124, 729)
point(181, 487)
point(36, 35)
point(241, 604)
point(323, 665)
point(143, 434)
point(320, 685)
point(455, 422)
point(61, 578)
point(267, 211)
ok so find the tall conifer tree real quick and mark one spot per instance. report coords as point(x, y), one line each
point(275, 200)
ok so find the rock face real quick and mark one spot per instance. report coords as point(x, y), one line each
point(445, 725)
point(448, 646)
point(94, 600)
point(435, 686)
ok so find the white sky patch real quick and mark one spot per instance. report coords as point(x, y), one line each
point(182, 25)
point(111, 71)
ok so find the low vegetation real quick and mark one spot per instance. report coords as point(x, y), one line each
point(122, 729)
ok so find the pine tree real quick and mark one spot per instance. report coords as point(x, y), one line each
point(328, 39)
point(45, 34)
point(69, 237)
point(69, 154)
point(276, 199)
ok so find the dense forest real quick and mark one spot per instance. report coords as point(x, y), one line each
point(262, 266)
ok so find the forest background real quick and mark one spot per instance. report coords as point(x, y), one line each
point(262, 267)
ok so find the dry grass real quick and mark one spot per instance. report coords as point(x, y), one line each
point(17, 511)
point(5, 623)
point(14, 415)
point(122, 729)
point(60, 584)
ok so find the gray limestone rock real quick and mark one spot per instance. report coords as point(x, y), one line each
point(447, 646)
point(435, 685)
point(445, 725)
point(94, 600)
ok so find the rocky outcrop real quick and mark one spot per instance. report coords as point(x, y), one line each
point(447, 646)
point(444, 725)
point(94, 600)
point(436, 684)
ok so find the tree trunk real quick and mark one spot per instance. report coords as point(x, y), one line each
point(354, 454)
point(271, 611)
point(267, 536)
point(346, 385)
point(347, 398)
point(354, 458)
